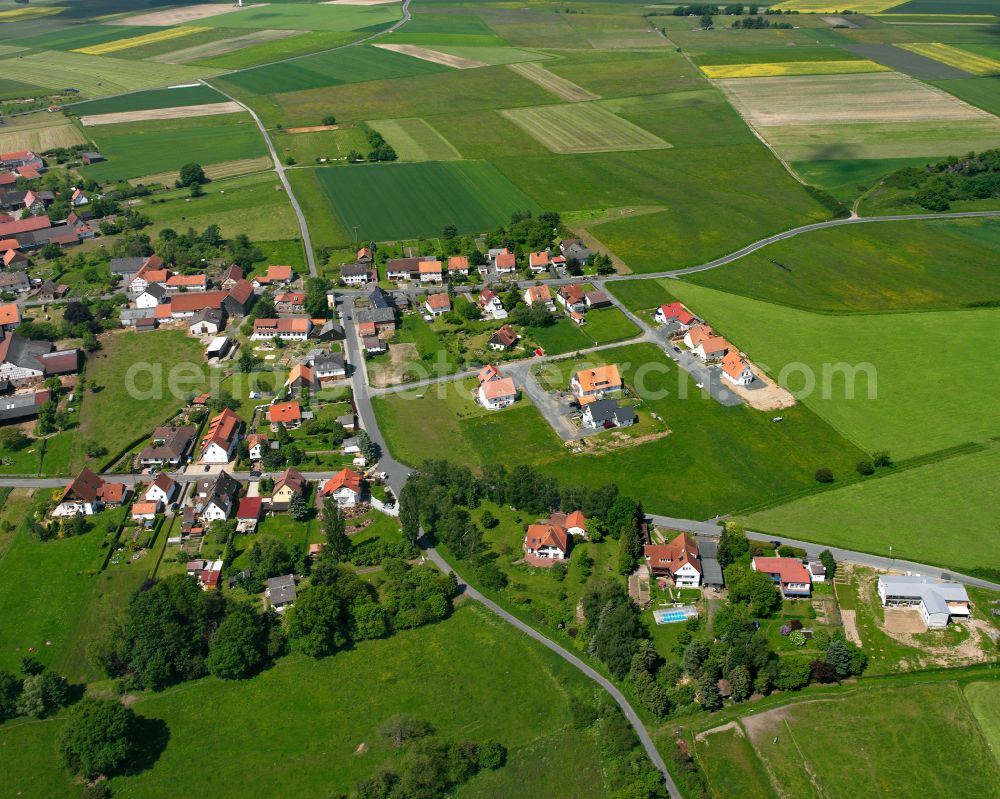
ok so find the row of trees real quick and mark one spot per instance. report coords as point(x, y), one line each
point(974, 176)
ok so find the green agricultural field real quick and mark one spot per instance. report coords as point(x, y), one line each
point(684, 474)
point(626, 73)
point(85, 36)
point(892, 266)
point(414, 140)
point(350, 65)
point(134, 374)
point(136, 149)
point(913, 410)
point(256, 203)
point(582, 128)
point(981, 92)
point(493, 55)
point(99, 76)
point(432, 30)
point(817, 52)
point(339, 693)
point(406, 200)
point(40, 132)
point(731, 764)
point(845, 179)
point(642, 295)
point(554, 84)
point(900, 741)
point(144, 101)
point(247, 54)
point(908, 511)
point(309, 17)
point(312, 147)
point(984, 699)
point(324, 229)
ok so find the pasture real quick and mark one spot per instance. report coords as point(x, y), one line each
point(862, 369)
point(891, 266)
point(318, 144)
point(220, 47)
point(970, 62)
point(353, 65)
point(99, 76)
point(907, 510)
point(582, 128)
point(39, 132)
point(264, 50)
point(415, 140)
point(146, 148)
point(552, 83)
point(899, 741)
point(683, 474)
point(435, 30)
point(984, 700)
point(776, 68)
point(310, 17)
point(390, 201)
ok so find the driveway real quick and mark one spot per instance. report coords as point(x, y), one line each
point(557, 413)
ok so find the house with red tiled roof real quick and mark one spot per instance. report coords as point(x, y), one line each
point(162, 489)
point(503, 339)
point(675, 313)
point(274, 275)
point(88, 494)
point(12, 258)
point(232, 275)
point(574, 523)
point(187, 283)
point(538, 261)
point(257, 443)
point(489, 372)
point(302, 376)
point(144, 511)
point(248, 514)
point(572, 297)
point(291, 484)
point(736, 370)
point(431, 271)
point(542, 294)
point(711, 348)
point(344, 487)
point(284, 414)
point(490, 304)
point(789, 575)
point(290, 302)
point(365, 255)
point(21, 158)
point(678, 559)
point(27, 225)
point(498, 393)
point(458, 265)
point(221, 437)
point(545, 544)
point(437, 304)
point(503, 261)
point(293, 328)
point(10, 316)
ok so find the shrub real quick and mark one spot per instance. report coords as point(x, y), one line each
point(865, 467)
point(824, 475)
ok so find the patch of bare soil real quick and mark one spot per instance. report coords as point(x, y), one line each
point(767, 397)
point(177, 112)
point(400, 356)
point(850, 621)
point(312, 128)
point(732, 725)
point(903, 620)
point(621, 440)
point(434, 56)
point(177, 16)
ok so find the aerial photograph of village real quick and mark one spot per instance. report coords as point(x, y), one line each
point(499, 399)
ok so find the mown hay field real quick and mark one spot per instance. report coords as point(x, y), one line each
point(251, 54)
point(774, 69)
point(414, 140)
point(561, 87)
point(352, 65)
point(389, 201)
point(138, 41)
point(39, 132)
point(582, 128)
point(220, 47)
point(972, 63)
point(100, 76)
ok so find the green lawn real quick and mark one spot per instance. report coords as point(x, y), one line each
point(607, 325)
point(389, 201)
point(49, 456)
point(563, 336)
point(686, 473)
point(353, 693)
point(907, 510)
point(257, 203)
point(147, 148)
point(912, 393)
point(892, 266)
point(921, 739)
point(166, 365)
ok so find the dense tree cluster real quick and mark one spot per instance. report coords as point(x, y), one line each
point(39, 693)
point(759, 23)
point(975, 176)
point(428, 766)
point(526, 233)
point(99, 738)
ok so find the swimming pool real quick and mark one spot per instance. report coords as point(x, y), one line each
point(674, 615)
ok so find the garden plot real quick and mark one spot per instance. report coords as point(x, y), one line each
point(434, 56)
point(859, 116)
point(560, 87)
point(582, 128)
point(178, 112)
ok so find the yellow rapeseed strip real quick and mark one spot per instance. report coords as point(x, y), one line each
point(834, 7)
point(953, 57)
point(139, 41)
point(29, 11)
point(721, 71)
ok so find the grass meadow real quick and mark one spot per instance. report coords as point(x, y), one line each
point(685, 474)
point(913, 389)
point(137, 149)
point(984, 700)
point(582, 128)
point(890, 266)
point(388, 201)
point(103, 413)
point(247, 53)
point(147, 100)
point(731, 765)
point(351, 694)
point(309, 17)
point(415, 140)
point(313, 146)
point(908, 510)
point(39, 132)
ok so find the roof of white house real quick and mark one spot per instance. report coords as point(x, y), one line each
point(935, 594)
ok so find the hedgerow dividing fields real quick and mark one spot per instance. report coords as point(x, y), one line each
point(387, 201)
